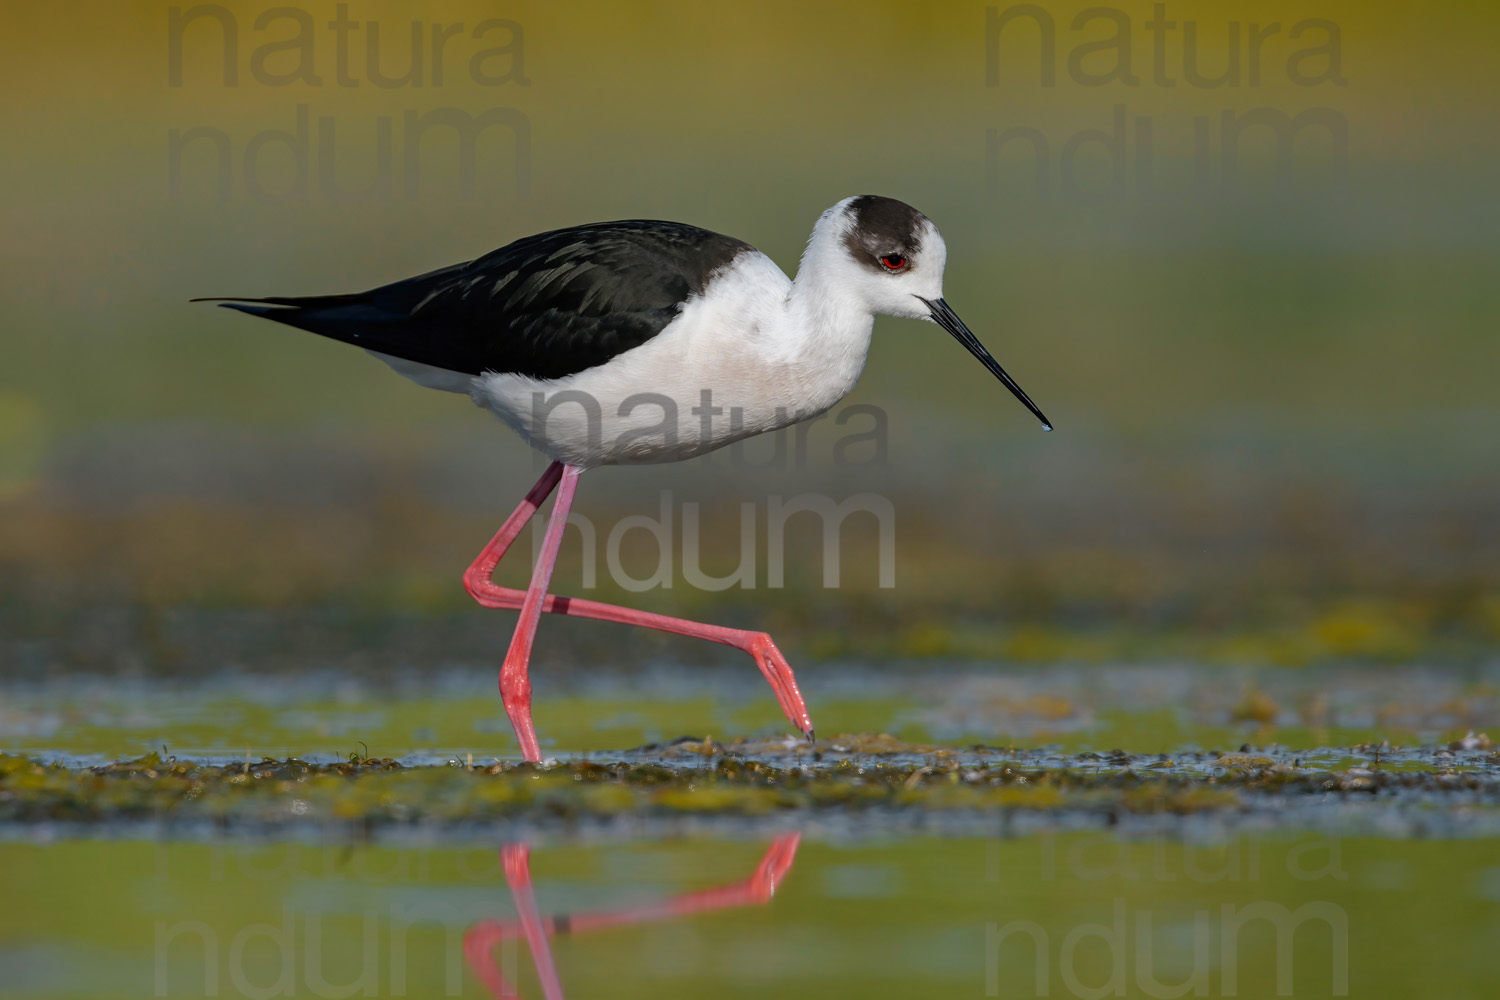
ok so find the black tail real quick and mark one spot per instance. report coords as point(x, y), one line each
point(381, 319)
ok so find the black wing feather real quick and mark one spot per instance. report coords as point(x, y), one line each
point(546, 306)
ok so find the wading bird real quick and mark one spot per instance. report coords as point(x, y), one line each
point(590, 340)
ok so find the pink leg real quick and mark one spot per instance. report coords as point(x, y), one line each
point(773, 666)
point(515, 681)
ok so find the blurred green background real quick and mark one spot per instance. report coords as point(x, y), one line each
point(1270, 355)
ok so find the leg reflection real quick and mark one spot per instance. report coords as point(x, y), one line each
point(482, 938)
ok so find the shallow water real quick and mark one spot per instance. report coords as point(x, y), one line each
point(798, 914)
point(440, 714)
point(1076, 832)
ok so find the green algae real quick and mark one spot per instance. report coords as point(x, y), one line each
point(850, 773)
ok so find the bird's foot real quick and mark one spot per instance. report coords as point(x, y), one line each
point(779, 674)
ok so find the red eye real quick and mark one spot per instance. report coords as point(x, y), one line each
point(893, 262)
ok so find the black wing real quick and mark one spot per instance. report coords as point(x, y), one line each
point(546, 306)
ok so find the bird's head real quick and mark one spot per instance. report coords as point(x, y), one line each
point(891, 257)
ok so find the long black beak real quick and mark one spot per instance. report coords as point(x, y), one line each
point(945, 317)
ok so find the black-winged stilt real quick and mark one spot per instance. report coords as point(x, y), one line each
point(590, 342)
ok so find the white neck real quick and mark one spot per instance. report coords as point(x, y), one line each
point(827, 324)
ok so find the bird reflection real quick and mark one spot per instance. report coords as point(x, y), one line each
point(481, 939)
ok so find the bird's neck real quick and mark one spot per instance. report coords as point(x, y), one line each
point(828, 328)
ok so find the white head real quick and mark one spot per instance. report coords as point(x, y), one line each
point(889, 258)
point(890, 255)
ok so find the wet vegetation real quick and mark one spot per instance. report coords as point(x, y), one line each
point(865, 773)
